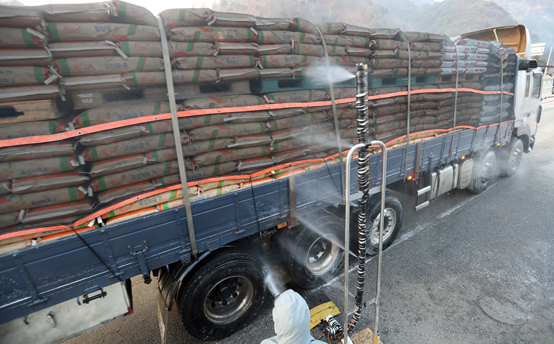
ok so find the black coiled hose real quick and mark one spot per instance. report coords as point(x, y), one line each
point(363, 184)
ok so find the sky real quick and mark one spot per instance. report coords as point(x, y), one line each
point(154, 6)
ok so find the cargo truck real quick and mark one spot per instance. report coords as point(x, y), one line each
point(214, 276)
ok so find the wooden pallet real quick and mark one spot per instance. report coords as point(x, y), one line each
point(188, 91)
point(394, 81)
point(441, 79)
point(263, 86)
point(28, 111)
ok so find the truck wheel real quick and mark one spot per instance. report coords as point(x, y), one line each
point(483, 173)
point(512, 158)
point(315, 254)
point(394, 214)
point(223, 295)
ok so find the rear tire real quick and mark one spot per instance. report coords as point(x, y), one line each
point(394, 214)
point(223, 295)
point(484, 172)
point(315, 253)
point(512, 158)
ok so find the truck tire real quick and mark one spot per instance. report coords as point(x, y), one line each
point(315, 252)
point(484, 172)
point(394, 214)
point(223, 295)
point(511, 158)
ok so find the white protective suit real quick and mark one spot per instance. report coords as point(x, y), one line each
point(291, 317)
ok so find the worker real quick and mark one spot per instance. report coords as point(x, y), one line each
point(291, 318)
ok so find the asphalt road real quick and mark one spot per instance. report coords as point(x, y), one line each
point(467, 269)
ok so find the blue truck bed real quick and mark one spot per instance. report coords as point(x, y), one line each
point(40, 276)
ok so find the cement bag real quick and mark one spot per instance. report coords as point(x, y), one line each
point(284, 113)
point(399, 54)
point(193, 49)
point(330, 28)
point(227, 155)
point(381, 128)
point(22, 76)
point(25, 57)
point(274, 49)
point(222, 102)
point(205, 146)
point(211, 171)
point(45, 150)
point(11, 203)
point(288, 134)
point(467, 49)
point(429, 71)
point(388, 63)
point(419, 46)
point(212, 34)
point(285, 37)
point(129, 147)
point(238, 74)
point(280, 24)
point(286, 61)
point(451, 64)
point(8, 220)
point(256, 163)
point(297, 96)
point(22, 38)
point(288, 156)
point(346, 40)
point(110, 166)
point(83, 83)
point(244, 117)
point(113, 135)
point(142, 48)
point(357, 51)
point(192, 122)
point(389, 109)
point(231, 19)
point(476, 70)
point(416, 36)
point(75, 32)
point(451, 56)
point(450, 71)
point(148, 172)
point(435, 38)
point(348, 60)
point(469, 41)
point(384, 33)
point(352, 30)
point(82, 49)
point(16, 130)
point(434, 54)
point(387, 44)
point(345, 113)
point(92, 12)
point(343, 93)
point(228, 130)
point(426, 63)
point(378, 73)
point(57, 211)
point(268, 73)
point(213, 62)
point(385, 90)
point(288, 145)
point(49, 182)
point(236, 48)
point(80, 66)
point(185, 17)
point(251, 141)
point(334, 50)
point(481, 64)
point(133, 14)
point(298, 121)
point(36, 167)
point(390, 118)
point(190, 76)
point(301, 25)
point(124, 192)
point(425, 105)
point(21, 17)
point(308, 49)
point(120, 112)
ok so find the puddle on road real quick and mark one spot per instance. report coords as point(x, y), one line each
point(502, 310)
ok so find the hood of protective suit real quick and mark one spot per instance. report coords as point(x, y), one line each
point(291, 317)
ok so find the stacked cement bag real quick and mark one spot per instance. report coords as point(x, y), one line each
point(233, 46)
point(98, 46)
point(24, 57)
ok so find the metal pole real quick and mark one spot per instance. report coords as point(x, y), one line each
point(408, 107)
point(547, 61)
point(347, 229)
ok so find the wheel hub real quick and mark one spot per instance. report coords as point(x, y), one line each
point(322, 254)
point(228, 300)
point(389, 222)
